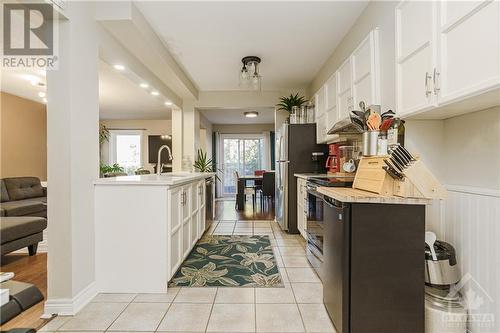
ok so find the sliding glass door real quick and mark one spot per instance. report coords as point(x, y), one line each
point(242, 154)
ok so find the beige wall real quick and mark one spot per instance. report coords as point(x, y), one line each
point(242, 129)
point(151, 127)
point(23, 137)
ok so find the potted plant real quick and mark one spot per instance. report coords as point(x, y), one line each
point(288, 103)
point(204, 164)
point(104, 168)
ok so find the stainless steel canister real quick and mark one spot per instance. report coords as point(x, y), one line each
point(370, 140)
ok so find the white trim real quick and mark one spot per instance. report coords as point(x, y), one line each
point(473, 190)
point(70, 306)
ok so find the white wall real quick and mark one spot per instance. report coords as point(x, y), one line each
point(463, 152)
point(73, 160)
point(149, 126)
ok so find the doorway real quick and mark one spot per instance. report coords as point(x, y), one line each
point(242, 153)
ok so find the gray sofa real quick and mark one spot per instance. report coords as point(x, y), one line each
point(22, 196)
point(23, 212)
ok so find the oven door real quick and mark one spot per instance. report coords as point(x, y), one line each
point(315, 229)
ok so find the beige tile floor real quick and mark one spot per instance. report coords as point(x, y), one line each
point(298, 307)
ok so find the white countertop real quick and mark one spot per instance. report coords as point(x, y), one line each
point(165, 179)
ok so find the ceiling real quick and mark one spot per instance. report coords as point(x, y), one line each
point(235, 116)
point(294, 39)
point(120, 96)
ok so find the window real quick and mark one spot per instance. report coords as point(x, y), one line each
point(125, 149)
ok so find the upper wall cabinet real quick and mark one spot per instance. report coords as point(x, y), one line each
point(446, 53)
point(357, 79)
point(365, 67)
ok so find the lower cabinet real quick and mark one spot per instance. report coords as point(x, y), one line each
point(186, 224)
point(301, 206)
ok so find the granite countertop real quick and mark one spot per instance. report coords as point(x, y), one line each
point(165, 179)
point(347, 194)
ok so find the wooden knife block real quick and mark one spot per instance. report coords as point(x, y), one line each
point(419, 182)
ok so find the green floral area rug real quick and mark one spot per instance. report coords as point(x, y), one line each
point(229, 261)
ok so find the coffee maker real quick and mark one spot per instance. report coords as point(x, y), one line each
point(333, 160)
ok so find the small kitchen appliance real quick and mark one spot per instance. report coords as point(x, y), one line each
point(333, 160)
point(441, 269)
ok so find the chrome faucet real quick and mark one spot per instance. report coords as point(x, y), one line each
point(158, 166)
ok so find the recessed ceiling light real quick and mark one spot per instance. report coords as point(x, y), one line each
point(155, 93)
point(41, 94)
point(144, 85)
point(44, 100)
point(119, 67)
point(251, 114)
point(168, 103)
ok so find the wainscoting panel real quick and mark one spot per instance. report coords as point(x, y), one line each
point(471, 223)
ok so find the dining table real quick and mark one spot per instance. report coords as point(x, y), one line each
point(242, 183)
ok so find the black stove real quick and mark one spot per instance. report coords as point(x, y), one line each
point(331, 181)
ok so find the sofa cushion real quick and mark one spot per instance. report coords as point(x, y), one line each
point(18, 227)
point(23, 207)
point(23, 187)
point(4, 195)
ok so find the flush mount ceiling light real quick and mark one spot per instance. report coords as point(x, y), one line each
point(119, 67)
point(168, 103)
point(251, 114)
point(155, 93)
point(249, 73)
point(144, 85)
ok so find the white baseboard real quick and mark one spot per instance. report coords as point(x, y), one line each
point(70, 306)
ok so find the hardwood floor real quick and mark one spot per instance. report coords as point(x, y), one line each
point(225, 210)
point(31, 270)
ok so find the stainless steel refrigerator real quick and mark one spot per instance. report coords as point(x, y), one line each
point(295, 144)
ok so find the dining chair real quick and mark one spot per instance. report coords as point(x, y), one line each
point(258, 182)
point(268, 184)
point(247, 190)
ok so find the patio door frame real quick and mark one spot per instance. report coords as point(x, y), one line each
point(220, 150)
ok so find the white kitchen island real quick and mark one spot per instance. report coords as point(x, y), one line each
point(145, 226)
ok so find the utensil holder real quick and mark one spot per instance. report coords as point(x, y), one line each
point(370, 140)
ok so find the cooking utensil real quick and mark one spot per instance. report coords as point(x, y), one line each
point(362, 106)
point(407, 153)
point(391, 164)
point(393, 173)
point(397, 163)
point(430, 239)
point(359, 114)
point(388, 113)
point(386, 124)
point(358, 123)
point(374, 121)
point(401, 158)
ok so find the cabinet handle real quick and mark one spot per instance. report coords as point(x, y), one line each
point(427, 91)
point(434, 81)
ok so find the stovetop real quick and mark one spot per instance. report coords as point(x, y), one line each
point(331, 181)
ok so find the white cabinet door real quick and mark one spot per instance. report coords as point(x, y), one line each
point(344, 90)
point(469, 48)
point(187, 219)
point(415, 55)
point(365, 71)
point(201, 208)
point(301, 216)
point(331, 102)
point(175, 255)
point(321, 101)
point(321, 129)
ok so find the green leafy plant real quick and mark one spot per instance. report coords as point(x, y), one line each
point(287, 103)
point(204, 164)
point(104, 168)
point(103, 134)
